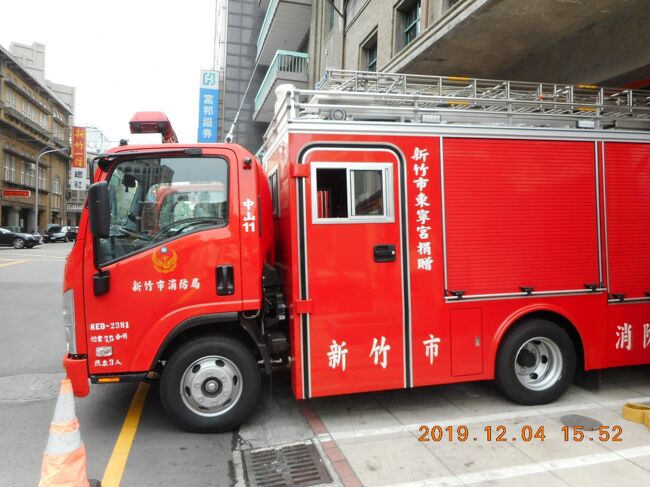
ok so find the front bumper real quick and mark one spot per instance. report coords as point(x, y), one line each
point(77, 371)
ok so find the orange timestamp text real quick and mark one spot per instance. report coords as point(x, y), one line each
point(525, 433)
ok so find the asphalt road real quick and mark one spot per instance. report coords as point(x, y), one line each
point(369, 439)
point(32, 344)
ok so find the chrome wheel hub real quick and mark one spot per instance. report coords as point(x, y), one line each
point(538, 364)
point(211, 386)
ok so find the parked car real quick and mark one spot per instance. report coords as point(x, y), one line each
point(17, 240)
point(55, 233)
point(71, 233)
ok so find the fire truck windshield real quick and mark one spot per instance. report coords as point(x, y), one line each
point(156, 199)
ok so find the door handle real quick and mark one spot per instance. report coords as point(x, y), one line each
point(225, 280)
point(384, 253)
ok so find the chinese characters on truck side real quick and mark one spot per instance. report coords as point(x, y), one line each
point(378, 352)
point(422, 211)
point(624, 336)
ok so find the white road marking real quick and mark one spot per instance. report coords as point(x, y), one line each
point(487, 418)
point(530, 468)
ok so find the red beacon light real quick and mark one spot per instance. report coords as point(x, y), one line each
point(153, 123)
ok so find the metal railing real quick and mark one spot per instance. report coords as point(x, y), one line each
point(283, 62)
point(445, 98)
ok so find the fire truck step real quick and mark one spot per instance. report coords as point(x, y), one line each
point(290, 465)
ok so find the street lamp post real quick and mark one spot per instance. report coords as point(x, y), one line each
point(38, 160)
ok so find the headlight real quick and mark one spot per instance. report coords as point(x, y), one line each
point(68, 321)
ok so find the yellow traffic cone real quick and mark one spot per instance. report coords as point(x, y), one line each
point(64, 461)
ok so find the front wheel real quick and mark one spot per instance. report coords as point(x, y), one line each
point(210, 385)
point(536, 363)
point(18, 243)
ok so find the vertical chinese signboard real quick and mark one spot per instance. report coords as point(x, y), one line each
point(208, 106)
point(78, 169)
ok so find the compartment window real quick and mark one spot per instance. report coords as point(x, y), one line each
point(368, 189)
point(352, 193)
point(332, 194)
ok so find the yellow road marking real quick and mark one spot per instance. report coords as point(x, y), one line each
point(117, 462)
point(13, 262)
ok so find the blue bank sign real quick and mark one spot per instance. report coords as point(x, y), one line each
point(208, 106)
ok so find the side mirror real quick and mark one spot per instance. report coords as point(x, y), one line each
point(99, 210)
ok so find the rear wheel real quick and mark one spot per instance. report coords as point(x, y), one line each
point(18, 243)
point(210, 385)
point(536, 363)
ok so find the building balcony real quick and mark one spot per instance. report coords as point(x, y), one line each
point(23, 122)
point(286, 67)
point(285, 26)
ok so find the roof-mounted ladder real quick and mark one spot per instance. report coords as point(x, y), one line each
point(371, 96)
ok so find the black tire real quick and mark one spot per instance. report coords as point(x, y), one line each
point(542, 371)
point(202, 363)
point(18, 243)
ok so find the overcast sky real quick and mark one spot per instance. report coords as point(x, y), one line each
point(122, 56)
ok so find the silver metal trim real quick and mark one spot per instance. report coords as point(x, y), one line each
point(467, 297)
point(444, 212)
point(448, 130)
point(405, 253)
point(306, 257)
point(387, 179)
point(302, 352)
point(602, 148)
point(629, 300)
point(600, 252)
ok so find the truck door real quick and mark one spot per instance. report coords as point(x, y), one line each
point(626, 168)
point(173, 227)
point(354, 276)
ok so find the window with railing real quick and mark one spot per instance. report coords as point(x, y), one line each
point(11, 98)
point(56, 185)
point(10, 168)
point(56, 201)
point(42, 119)
point(411, 19)
point(369, 54)
point(29, 110)
point(29, 173)
point(331, 13)
point(42, 179)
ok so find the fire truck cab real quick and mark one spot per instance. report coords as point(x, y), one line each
point(405, 231)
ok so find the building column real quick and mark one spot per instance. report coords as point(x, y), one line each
point(13, 218)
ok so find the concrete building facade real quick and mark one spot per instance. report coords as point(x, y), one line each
point(238, 25)
point(578, 41)
point(33, 58)
point(560, 41)
point(33, 119)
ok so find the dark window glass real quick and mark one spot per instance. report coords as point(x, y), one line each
point(368, 192)
point(154, 200)
point(332, 196)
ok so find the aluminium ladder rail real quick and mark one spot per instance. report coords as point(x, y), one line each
point(372, 96)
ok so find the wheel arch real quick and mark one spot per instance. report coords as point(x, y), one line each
point(554, 314)
point(222, 323)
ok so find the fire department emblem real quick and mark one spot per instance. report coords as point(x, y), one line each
point(164, 260)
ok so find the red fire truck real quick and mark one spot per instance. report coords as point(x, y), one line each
point(405, 231)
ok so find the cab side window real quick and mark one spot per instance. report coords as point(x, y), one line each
point(154, 200)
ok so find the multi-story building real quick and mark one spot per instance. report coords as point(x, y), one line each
point(32, 57)
point(598, 41)
point(33, 121)
point(238, 23)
